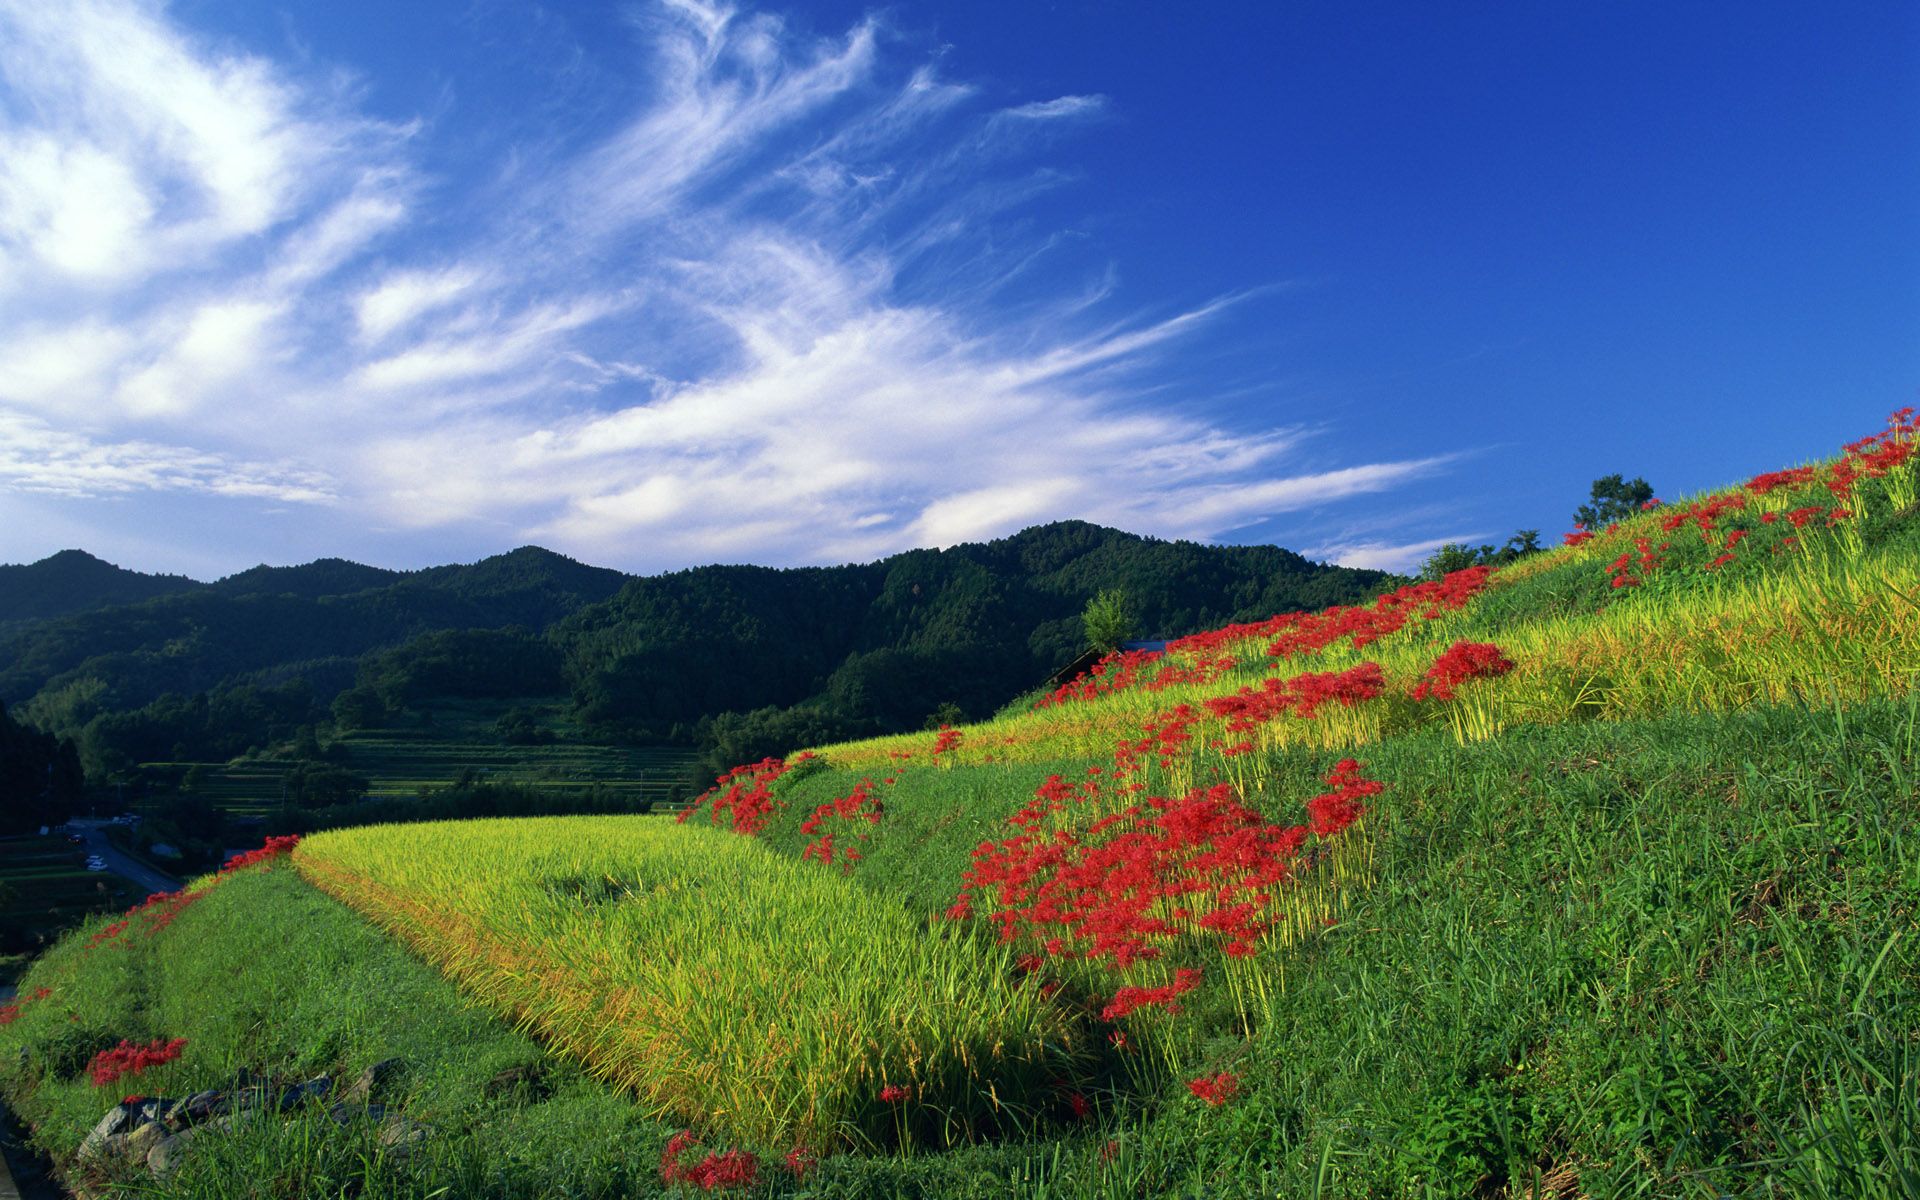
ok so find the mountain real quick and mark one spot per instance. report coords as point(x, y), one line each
point(74, 581)
point(866, 647)
point(322, 577)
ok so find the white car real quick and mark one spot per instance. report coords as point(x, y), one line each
point(96, 865)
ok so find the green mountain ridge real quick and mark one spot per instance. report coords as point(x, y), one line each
point(795, 653)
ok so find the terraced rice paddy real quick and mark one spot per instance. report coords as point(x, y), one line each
point(720, 983)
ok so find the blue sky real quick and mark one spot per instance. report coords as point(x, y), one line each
point(662, 284)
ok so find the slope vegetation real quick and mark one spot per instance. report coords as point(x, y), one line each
point(1595, 876)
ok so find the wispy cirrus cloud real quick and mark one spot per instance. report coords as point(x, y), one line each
point(764, 316)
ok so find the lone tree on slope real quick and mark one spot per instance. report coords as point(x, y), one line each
point(1613, 500)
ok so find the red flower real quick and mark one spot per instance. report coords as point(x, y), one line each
point(1215, 1089)
point(895, 1093)
point(130, 1059)
point(1461, 662)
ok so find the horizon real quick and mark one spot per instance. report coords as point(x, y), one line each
point(668, 283)
point(585, 563)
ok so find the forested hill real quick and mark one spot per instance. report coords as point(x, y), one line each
point(209, 670)
point(74, 581)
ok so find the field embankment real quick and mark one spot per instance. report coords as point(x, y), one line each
point(1597, 876)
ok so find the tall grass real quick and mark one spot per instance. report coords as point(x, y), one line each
point(721, 984)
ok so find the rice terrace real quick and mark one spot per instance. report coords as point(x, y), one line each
point(1594, 874)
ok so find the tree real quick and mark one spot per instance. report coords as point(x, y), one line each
point(319, 785)
point(1108, 619)
point(1521, 544)
point(1613, 500)
point(1458, 556)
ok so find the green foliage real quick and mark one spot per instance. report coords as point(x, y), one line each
point(320, 785)
point(1108, 620)
point(359, 708)
point(1458, 556)
point(40, 778)
point(1613, 499)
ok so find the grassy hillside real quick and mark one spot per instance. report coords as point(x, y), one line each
point(1595, 876)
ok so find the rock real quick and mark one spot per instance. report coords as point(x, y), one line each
point(118, 1120)
point(141, 1141)
point(375, 1081)
point(299, 1094)
point(193, 1110)
point(345, 1114)
point(402, 1137)
point(164, 1158)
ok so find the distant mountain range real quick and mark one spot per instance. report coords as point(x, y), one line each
point(116, 659)
point(74, 581)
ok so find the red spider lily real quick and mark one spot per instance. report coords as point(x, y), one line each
point(846, 808)
point(895, 1093)
point(162, 909)
point(1461, 662)
point(1128, 999)
point(1215, 1089)
point(1301, 696)
point(130, 1059)
point(747, 796)
point(799, 1161)
point(1578, 537)
point(1773, 481)
point(949, 739)
point(734, 1168)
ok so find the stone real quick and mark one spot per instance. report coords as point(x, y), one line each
point(402, 1137)
point(345, 1114)
point(299, 1094)
point(164, 1158)
point(375, 1081)
point(119, 1118)
point(141, 1141)
point(192, 1110)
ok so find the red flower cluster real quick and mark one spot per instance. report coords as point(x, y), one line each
point(1300, 696)
point(734, 1168)
point(1169, 868)
point(1648, 561)
point(748, 796)
point(1874, 457)
point(846, 808)
point(9, 1013)
point(1387, 615)
point(1128, 999)
point(1577, 537)
point(275, 847)
point(1215, 1089)
point(1333, 811)
point(1461, 662)
point(1772, 481)
point(895, 1093)
point(1113, 673)
point(162, 909)
point(130, 1059)
point(949, 739)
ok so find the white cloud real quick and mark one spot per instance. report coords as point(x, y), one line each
point(34, 457)
point(406, 295)
point(1402, 558)
point(689, 339)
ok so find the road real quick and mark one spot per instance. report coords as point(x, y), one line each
point(120, 864)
